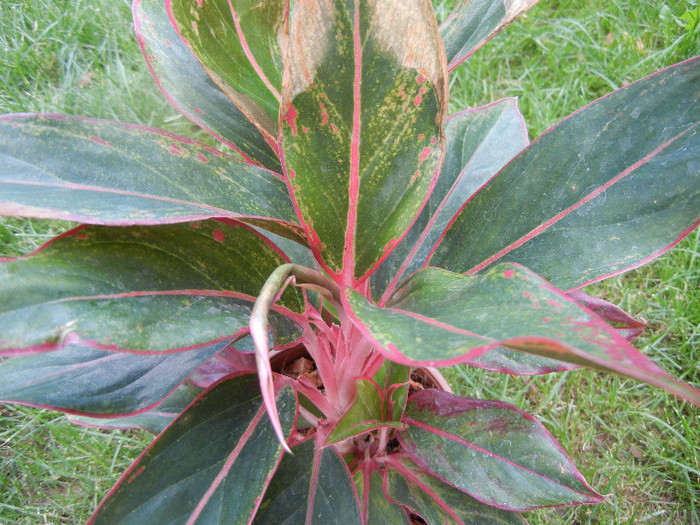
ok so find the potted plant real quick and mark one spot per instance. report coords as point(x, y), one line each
point(351, 232)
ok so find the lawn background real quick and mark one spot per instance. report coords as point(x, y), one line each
point(629, 440)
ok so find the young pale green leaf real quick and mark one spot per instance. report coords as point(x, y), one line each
point(82, 380)
point(198, 470)
point(436, 501)
point(154, 420)
point(127, 174)
point(313, 486)
point(379, 402)
point(480, 142)
point(183, 81)
point(361, 113)
point(473, 22)
point(365, 414)
point(443, 318)
point(605, 190)
point(149, 289)
point(393, 379)
point(236, 42)
point(492, 451)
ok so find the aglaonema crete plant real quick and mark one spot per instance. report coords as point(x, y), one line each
point(274, 309)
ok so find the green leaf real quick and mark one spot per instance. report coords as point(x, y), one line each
point(127, 174)
point(361, 124)
point(153, 289)
point(154, 420)
point(606, 190)
point(365, 414)
point(480, 142)
point(379, 402)
point(313, 486)
point(392, 378)
point(442, 318)
point(192, 473)
point(237, 44)
point(183, 81)
point(438, 502)
point(378, 509)
point(473, 22)
point(492, 451)
point(79, 379)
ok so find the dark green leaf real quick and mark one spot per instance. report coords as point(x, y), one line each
point(313, 486)
point(183, 81)
point(378, 509)
point(438, 502)
point(80, 379)
point(154, 289)
point(154, 420)
point(192, 473)
point(106, 172)
point(361, 124)
point(606, 190)
point(480, 142)
point(510, 361)
point(473, 22)
point(237, 44)
point(492, 451)
point(442, 318)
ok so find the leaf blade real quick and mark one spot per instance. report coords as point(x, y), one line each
point(625, 194)
point(189, 89)
point(343, 205)
point(513, 462)
point(439, 318)
point(313, 486)
point(85, 381)
point(149, 289)
point(236, 45)
point(480, 141)
point(167, 482)
point(473, 22)
point(127, 174)
point(438, 502)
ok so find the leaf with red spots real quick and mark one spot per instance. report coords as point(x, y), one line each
point(491, 450)
point(605, 190)
point(228, 428)
point(236, 41)
point(192, 92)
point(105, 172)
point(361, 114)
point(441, 318)
point(145, 289)
point(473, 22)
point(480, 142)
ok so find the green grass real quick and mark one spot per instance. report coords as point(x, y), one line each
point(629, 440)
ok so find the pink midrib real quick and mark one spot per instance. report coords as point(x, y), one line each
point(249, 53)
point(562, 214)
point(348, 272)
